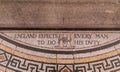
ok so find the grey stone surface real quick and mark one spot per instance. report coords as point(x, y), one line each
point(60, 13)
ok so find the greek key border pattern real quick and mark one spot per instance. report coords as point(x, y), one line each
point(19, 64)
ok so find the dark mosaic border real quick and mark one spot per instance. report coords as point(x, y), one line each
point(67, 29)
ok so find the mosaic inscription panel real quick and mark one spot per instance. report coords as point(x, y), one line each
point(59, 51)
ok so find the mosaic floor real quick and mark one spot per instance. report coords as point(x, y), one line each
point(59, 51)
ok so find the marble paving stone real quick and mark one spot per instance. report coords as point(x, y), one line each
point(60, 13)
